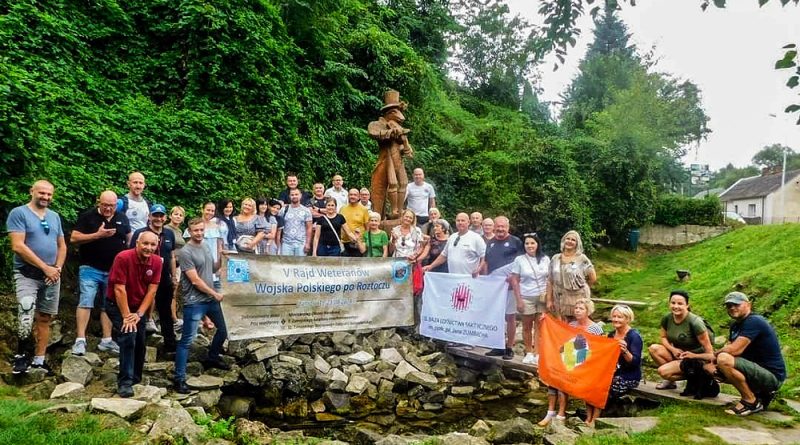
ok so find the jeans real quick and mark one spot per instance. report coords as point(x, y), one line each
point(164, 308)
point(131, 347)
point(325, 250)
point(90, 281)
point(293, 248)
point(192, 315)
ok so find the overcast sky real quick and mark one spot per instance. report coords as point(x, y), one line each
point(729, 53)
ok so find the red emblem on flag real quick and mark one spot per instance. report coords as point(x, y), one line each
point(461, 297)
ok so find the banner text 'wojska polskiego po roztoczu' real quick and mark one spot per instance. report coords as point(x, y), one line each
point(267, 296)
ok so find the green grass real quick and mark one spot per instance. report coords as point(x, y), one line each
point(19, 424)
point(761, 261)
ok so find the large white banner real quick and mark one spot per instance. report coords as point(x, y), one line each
point(463, 309)
point(281, 295)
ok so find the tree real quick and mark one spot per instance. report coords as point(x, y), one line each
point(771, 156)
point(494, 52)
point(728, 175)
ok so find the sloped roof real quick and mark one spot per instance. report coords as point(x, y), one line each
point(756, 186)
point(710, 192)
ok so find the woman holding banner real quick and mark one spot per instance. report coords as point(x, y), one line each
point(583, 310)
point(529, 284)
point(571, 274)
point(629, 364)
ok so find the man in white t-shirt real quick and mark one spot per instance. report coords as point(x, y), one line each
point(465, 250)
point(133, 204)
point(420, 197)
point(338, 192)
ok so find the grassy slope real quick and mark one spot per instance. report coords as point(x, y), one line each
point(758, 260)
point(761, 261)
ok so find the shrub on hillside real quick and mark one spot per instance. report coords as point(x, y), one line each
point(674, 210)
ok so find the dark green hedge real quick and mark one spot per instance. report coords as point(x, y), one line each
point(674, 210)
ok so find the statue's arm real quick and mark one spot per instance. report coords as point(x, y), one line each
point(379, 131)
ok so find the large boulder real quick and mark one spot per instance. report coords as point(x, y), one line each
point(76, 369)
point(515, 430)
point(125, 408)
point(175, 423)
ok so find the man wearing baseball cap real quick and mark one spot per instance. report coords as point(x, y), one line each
point(166, 286)
point(751, 360)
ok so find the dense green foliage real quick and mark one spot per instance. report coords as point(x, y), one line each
point(675, 210)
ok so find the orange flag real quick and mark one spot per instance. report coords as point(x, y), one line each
point(577, 362)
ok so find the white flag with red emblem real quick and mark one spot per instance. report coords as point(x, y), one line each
point(463, 309)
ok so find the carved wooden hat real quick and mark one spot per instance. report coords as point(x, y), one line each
point(391, 99)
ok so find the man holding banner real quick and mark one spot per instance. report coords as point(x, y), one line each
point(199, 299)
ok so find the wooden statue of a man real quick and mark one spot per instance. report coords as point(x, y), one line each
point(390, 177)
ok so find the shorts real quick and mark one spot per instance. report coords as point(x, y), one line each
point(511, 303)
point(90, 281)
point(46, 296)
point(758, 379)
point(533, 306)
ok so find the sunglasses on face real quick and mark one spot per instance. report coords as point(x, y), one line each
point(45, 226)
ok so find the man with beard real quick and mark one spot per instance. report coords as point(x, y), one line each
point(101, 233)
point(37, 240)
point(296, 227)
point(166, 287)
point(133, 282)
point(501, 251)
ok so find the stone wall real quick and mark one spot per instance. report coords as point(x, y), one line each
point(680, 235)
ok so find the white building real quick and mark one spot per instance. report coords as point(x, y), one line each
point(758, 198)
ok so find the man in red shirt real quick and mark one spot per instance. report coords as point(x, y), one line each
point(133, 281)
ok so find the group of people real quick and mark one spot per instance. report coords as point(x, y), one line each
point(133, 254)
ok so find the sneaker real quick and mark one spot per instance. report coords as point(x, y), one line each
point(150, 326)
point(178, 325)
point(125, 391)
point(109, 346)
point(217, 363)
point(21, 364)
point(508, 354)
point(44, 366)
point(496, 353)
point(529, 359)
point(79, 348)
point(181, 387)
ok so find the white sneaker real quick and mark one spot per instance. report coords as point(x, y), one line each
point(150, 326)
point(178, 325)
point(79, 348)
point(529, 358)
point(109, 346)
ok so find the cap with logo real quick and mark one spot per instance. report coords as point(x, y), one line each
point(158, 208)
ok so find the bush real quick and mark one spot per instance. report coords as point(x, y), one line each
point(675, 210)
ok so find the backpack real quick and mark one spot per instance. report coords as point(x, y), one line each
point(709, 329)
point(122, 204)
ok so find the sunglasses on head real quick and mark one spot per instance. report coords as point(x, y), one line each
point(45, 226)
point(525, 235)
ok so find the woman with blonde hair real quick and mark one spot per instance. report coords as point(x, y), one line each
point(251, 228)
point(571, 274)
point(407, 239)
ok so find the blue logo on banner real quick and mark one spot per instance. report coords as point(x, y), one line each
point(401, 271)
point(238, 271)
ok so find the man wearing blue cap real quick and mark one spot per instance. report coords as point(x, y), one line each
point(751, 360)
point(166, 286)
point(101, 233)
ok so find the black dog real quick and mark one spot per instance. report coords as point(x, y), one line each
point(698, 383)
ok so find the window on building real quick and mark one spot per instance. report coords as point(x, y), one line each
point(751, 210)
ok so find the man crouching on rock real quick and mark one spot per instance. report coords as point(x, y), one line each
point(199, 299)
point(133, 281)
